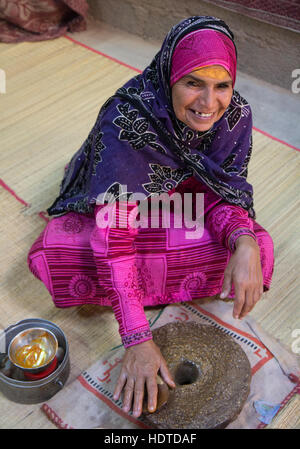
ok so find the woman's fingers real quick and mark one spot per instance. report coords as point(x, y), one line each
point(128, 394)
point(139, 389)
point(253, 292)
point(226, 288)
point(248, 304)
point(246, 299)
point(152, 390)
point(252, 298)
point(166, 375)
point(134, 392)
point(119, 387)
point(239, 300)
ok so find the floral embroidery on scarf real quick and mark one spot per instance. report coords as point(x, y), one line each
point(135, 129)
point(152, 75)
point(115, 192)
point(82, 206)
point(197, 159)
point(165, 178)
point(237, 109)
point(187, 136)
point(207, 140)
point(99, 146)
point(227, 164)
point(244, 167)
point(134, 90)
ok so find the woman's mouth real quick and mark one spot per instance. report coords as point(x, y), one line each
point(202, 115)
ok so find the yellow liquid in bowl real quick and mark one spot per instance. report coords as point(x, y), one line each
point(32, 355)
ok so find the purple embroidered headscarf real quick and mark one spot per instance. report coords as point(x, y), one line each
point(137, 141)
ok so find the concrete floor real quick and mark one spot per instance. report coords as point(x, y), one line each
point(276, 111)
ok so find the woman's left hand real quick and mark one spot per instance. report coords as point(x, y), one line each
point(244, 271)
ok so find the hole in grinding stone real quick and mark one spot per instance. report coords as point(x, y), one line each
point(186, 373)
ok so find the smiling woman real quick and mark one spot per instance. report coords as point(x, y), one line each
point(201, 98)
point(178, 127)
point(202, 82)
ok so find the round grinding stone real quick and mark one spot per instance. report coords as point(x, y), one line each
point(212, 375)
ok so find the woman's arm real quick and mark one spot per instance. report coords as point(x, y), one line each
point(232, 227)
point(115, 256)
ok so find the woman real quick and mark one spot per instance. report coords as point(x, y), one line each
point(179, 127)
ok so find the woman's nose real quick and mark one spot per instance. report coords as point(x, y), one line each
point(208, 99)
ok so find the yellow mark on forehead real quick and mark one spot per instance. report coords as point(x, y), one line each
point(213, 71)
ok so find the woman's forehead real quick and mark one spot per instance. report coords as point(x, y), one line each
point(216, 72)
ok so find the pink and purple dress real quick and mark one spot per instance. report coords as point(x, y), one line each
point(137, 145)
point(128, 268)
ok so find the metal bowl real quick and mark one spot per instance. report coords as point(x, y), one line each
point(23, 391)
point(27, 337)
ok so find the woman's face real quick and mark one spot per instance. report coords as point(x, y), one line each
point(200, 101)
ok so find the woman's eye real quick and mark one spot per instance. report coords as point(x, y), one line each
point(223, 86)
point(192, 83)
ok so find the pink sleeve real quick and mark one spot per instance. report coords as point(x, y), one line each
point(114, 254)
point(227, 222)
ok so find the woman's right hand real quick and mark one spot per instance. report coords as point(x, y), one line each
point(140, 366)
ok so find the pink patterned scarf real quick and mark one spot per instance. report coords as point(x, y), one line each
point(201, 48)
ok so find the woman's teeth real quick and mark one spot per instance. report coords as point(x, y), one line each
point(203, 115)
